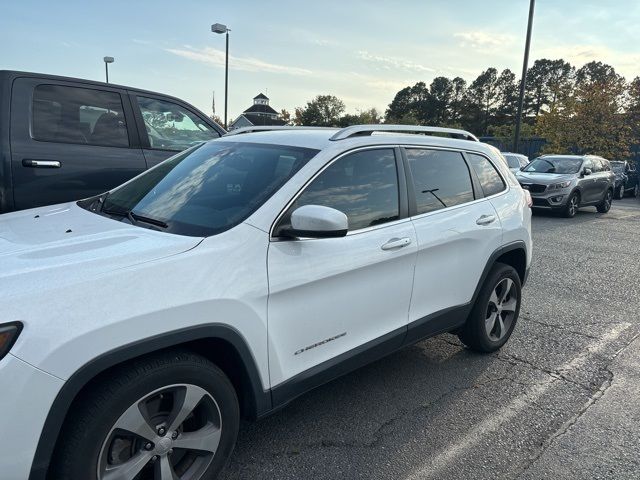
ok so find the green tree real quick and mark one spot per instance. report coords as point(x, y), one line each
point(592, 119)
point(322, 111)
point(285, 116)
point(548, 81)
point(484, 97)
point(409, 103)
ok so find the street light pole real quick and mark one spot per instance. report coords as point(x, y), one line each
point(523, 81)
point(107, 61)
point(219, 28)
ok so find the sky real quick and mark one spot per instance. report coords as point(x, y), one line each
point(361, 51)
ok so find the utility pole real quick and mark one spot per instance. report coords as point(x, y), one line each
point(523, 81)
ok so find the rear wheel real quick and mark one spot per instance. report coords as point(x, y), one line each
point(172, 417)
point(636, 191)
point(573, 203)
point(495, 312)
point(605, 205)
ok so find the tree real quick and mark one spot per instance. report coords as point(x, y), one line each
point(458, 102)
point(591, 120)
point(547, 82)
point(361, 117)
point(409, 103)
point(322, 111)
point(285, 116)
point(439, 101)
point(484, 96)
point(508, 93)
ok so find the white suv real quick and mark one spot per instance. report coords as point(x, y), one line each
point(137, 327)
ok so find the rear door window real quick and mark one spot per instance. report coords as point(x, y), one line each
point(170, 126)
point(490, 179)
point(86, 116)
point(441, 179)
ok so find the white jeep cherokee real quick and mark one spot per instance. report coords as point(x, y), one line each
point(138, 326)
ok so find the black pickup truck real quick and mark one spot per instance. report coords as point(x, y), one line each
point(64, 139)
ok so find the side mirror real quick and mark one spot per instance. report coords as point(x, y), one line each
point(315, 221)
point(587, 171)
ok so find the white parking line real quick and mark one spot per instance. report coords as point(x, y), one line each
point(434, 467)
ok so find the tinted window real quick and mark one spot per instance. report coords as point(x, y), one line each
point(78, 115)
point(172, 127)
point(559, 165)
point(209, 189)
point(363, 185)
point(440, 179)
point(490, 179)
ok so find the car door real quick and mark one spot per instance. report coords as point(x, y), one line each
point(458, 229)
point(70, 141)
point(339, 296)
point(590, 186)
point(168, 127)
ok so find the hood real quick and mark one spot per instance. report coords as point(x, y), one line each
point(66, 241)
point(544, 178)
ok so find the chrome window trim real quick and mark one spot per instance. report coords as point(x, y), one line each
point(327, 165)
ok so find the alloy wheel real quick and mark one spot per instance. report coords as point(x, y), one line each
point(573, 205)
point(607, 200)
point(501, 309)
point(169, 434)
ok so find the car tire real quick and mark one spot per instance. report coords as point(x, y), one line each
point(97, 439)
point(636, 191)
point(620, 193)
point(495, 312)
point(573, 203)
point(605, 205)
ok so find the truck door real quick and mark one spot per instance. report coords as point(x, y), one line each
point(70, 140)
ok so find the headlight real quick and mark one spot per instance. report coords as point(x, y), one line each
point(560, 185)
point(8, 334)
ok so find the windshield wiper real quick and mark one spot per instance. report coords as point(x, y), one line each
point(135, 217)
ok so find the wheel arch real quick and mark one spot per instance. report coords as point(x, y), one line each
point(221, 344)
point(513, 254)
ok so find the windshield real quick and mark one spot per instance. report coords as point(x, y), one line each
point(207, 189)
point(512, 161)
point(559, 165)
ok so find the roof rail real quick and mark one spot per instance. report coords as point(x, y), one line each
point(362, 130)
point(239, 131)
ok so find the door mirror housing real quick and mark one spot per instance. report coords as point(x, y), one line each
point(587, 171)
point(316, 221)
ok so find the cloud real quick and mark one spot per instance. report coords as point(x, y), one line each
point(625, 63)
point(389, 63)
point(213, 56)
point(480, 40)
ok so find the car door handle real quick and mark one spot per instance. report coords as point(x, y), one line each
point(41, 163)
point(396, 243)
point(486, 219)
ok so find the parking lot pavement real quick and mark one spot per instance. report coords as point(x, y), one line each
point(560, 400)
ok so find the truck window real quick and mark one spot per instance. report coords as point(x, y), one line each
point(172, 127)
point(78, 115)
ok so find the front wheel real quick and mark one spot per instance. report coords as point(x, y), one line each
point(573, 203)
point(170, 417)
point(620, 193)
point(495, 312)
point(605, 205)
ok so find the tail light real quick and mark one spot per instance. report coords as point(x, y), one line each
point(527, 196)
point(8, 335)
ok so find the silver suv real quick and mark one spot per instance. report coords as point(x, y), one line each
point(567, 182)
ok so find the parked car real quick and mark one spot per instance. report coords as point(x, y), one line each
point(516, 161)
point(564, 183)
point(626, 178)
point(136, 327)
point(64, 139)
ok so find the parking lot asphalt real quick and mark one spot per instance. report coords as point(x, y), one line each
point(560, 400)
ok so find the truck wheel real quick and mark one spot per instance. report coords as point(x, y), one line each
point(495, 312)
point(605, 205)
point(171, 416)
point(573, 203)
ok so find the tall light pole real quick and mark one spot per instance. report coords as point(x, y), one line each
point(107, 61)
point(523, 81)
point(220, 29)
